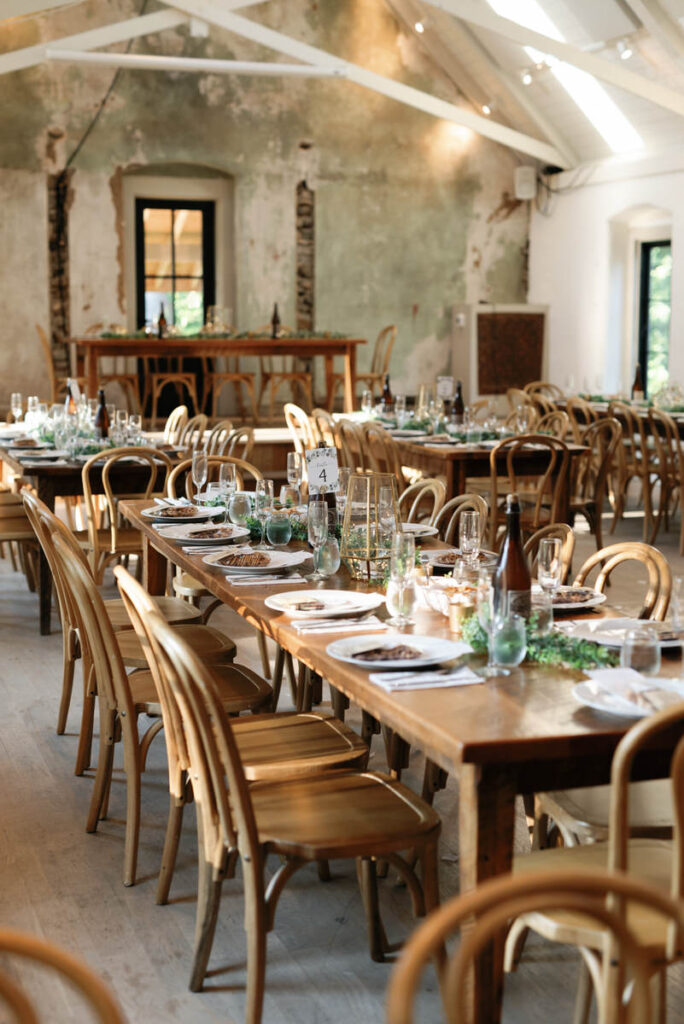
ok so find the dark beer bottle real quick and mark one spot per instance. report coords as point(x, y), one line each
point(102, 417)
point(457, 405)
point(161, 324)
point(386, 398)
point(70, 408)
point(275, 322)
point(638, 385)
point(512, 573)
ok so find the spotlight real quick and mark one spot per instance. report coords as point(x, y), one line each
point(526, 78)
point(419, 27)
point(624, 50)
point(486, 109)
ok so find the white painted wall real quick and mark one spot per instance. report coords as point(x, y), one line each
point(581, 266)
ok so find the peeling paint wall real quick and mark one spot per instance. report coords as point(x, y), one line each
point(412, 214)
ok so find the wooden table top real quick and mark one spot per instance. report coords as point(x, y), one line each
point(153, 346)
point(529, 716)
point(468, 452)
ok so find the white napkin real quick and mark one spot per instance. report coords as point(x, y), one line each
point(338, 625)
point(620, 684)
point(390, 681)
point(258, 581)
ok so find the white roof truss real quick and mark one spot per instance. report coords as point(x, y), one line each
point(198, 65)
point(26, 8)
point(660, 24)
point(611, 72)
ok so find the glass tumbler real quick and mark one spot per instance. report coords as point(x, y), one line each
point(641, 650)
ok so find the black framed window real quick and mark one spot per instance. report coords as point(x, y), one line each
point(175, 261)
point(655, 279)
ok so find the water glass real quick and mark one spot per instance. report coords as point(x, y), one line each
point(344, 474)
point(317, 522)
point(523, 419)
point(239, 509)
point(200, 468)
point(403, 556)
point(469, 535)
point(367, 402)
point(549, 566)
point(641, 650)
point(508, 640)
point(122, 421)
point(329, 557)
point(401, 599)
point(92, 408)
point(535, 609)
point(386, 514)
point(227, 480)
point(111, 412)
point(278, 529)
point(400, 409)
point(295, 468)
point(263, 505)
point(16, 405)
point(134, 428)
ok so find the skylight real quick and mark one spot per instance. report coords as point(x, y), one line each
point(587, 93)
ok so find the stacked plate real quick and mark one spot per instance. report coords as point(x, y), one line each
point(323, 604)
point(255, 563)
point(179, 513)
point(206, 536)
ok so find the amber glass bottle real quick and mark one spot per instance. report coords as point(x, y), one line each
point(512, 573)
point(457, 405)
point(387, 399)
point(638, 385)
point(275, 322)
point(161, 324)
point(102, 417)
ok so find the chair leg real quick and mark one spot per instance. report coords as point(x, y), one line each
point(255, 925)
point(104, 769)
point(174, 827)
point(132, 770)
point(208, 899)
point(368, 882)
point(85, 736)
point(68, 666)
point(263, 651)
point(583, 996)
point(251, 392)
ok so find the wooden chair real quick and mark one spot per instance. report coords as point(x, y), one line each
point(350, 445)
point(559, 531)
point(175, 422)
point(127, 381)
point(512, 421)
point(182, 473)
point(592, 472)
point(669, 468)
point(336, 815)
point(580, 413)
point(448, 519)
point(380, 361)
point(278, 370)
point(239, 443)
point(556, 423)
point(105, 543)
point(216, 380)
point(297, 420)
point(271, 746)
point(322, 426)
point(543, 405)
point(218, 436)
point(381, 452)
point(17, 998)
point(545, 388)
point(192, 433)
point(157, 380)
point(121, 697)
point(422, 502)
point(657, 597)
point(637, 459)
point(596, 897)
point(516, 397)
point(480, 410)
point(16, 531)
point(655, 861)
point(539, 500)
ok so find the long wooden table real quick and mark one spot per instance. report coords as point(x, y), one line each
point(518, 734)
point(302, 348)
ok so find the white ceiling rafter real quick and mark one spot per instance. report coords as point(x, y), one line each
point(216, 13)
point(611, 72)
point(660, 24)
point(196, 65)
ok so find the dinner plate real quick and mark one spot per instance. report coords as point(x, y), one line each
point(335, 602)
point(433, 650)
point(591, 599)
point(277, 560)
point(442, 559)
point(191, 533)
point(156, 514)
point(39, 453)
point(420, 530)
point(593, 695)
point(612, 632)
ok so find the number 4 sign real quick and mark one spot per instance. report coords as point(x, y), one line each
point(322, 469)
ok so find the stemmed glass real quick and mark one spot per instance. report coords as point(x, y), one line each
point(469, 535)
point(344, 473)
point(134, 428)
point(549, 566)
point(317, 521)
point(400, 410)
point(295, 469)
point(263, 504)
point(16, 405)
point(227, 485)
point(367, 402)
point(121, 422)
point(401, 594)
point(387, 519)
point(200, 469)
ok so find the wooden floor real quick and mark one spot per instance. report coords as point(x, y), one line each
point(63, 884)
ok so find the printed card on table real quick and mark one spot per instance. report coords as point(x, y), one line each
point(322, 469)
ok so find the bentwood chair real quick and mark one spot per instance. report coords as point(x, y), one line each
point(581, 413)
point(192, 433)
point(557, 531)
point(556, 423)
point(128, 382)
point(17, 533)
point(297, 420)
point(218, 435)
point(181, 475)
point(539, 491)
point(657, 597)
point(382, 452)
point(655, 861)
point(545, 388)
point(669, 468)
point(272, 746)
point(336, 815)
point(238, 444)
point(322, 426)
point(637, 459)
point(157, 380)
point(592, 473)
point(216, 380)
point(18, 949)
point(380, 362)
point(175, 422)
point(350, 445)
point(422, 502)
point(123, 698)
point(450, 516)
point(597, 897)
point(278, 370)
point(105, 543)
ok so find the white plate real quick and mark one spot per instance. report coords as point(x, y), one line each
point(437, 558)
point(612, 632)
point(154, 513)
point(420, 529)
point(592, 695)
point(337, 602)
point(277, 560)
point(35, 453)
point(592, 600)
point(433, 650)
point(191, 533)
point(403, 432)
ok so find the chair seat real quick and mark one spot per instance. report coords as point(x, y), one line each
point(144, 693)
point(186, 585)
point(290, 744)
point(207, 643)
point(650, 807)
point(241, 690)
point(174, 610)
point(129, 540)
point(340, 815)
point(650, 860)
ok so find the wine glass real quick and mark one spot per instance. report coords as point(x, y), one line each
point(401, 593)
point(400, 410)
point(487, 616)
point(16, 405)
point(641, 650)
point(386, 516)
point(549, 567)
point(227, 484)
point(121, 421)
point(367, 402)
point(295, 469)
point(263, 504)
point(317, 522)
point(344, 474)
point(469, 535)
point(134, 427)
point(200, 469)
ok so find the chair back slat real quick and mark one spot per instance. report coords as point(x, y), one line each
point(447, 521)
point(181, 475)
point(657, 598)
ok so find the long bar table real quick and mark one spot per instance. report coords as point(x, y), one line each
point(301, 348)
point(523, 733)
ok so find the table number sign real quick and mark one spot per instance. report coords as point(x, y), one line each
point(322, 470)
point(445, 388)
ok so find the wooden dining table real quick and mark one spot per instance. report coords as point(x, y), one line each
point(95, 348)
point(518, 734)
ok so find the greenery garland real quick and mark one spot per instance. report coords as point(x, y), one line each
point(551, 649)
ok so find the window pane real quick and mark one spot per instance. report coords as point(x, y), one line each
point(189, 304)
point(157, 226)
point(660, 275)
point(187, 232)
point(154, 300)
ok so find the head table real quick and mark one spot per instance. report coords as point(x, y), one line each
point(518, 734)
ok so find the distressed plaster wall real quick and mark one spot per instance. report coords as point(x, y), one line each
point(411, 213)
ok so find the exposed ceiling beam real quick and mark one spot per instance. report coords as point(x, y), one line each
point(26, 8)
point(612, 72)
point(215, 13)
point(660, 24)
point(198, 65)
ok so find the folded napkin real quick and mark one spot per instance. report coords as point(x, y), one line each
point(625, 687)
point(258, 581)
point(393, 681)
point(338, 625)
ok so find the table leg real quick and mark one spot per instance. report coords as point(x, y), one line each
point(486, 825)
point(349, 377)
point(329, 369)
point(155, 569)
point(91, 371)
point(46, 494)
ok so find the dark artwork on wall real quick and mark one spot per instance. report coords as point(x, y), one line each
point(510, 348)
